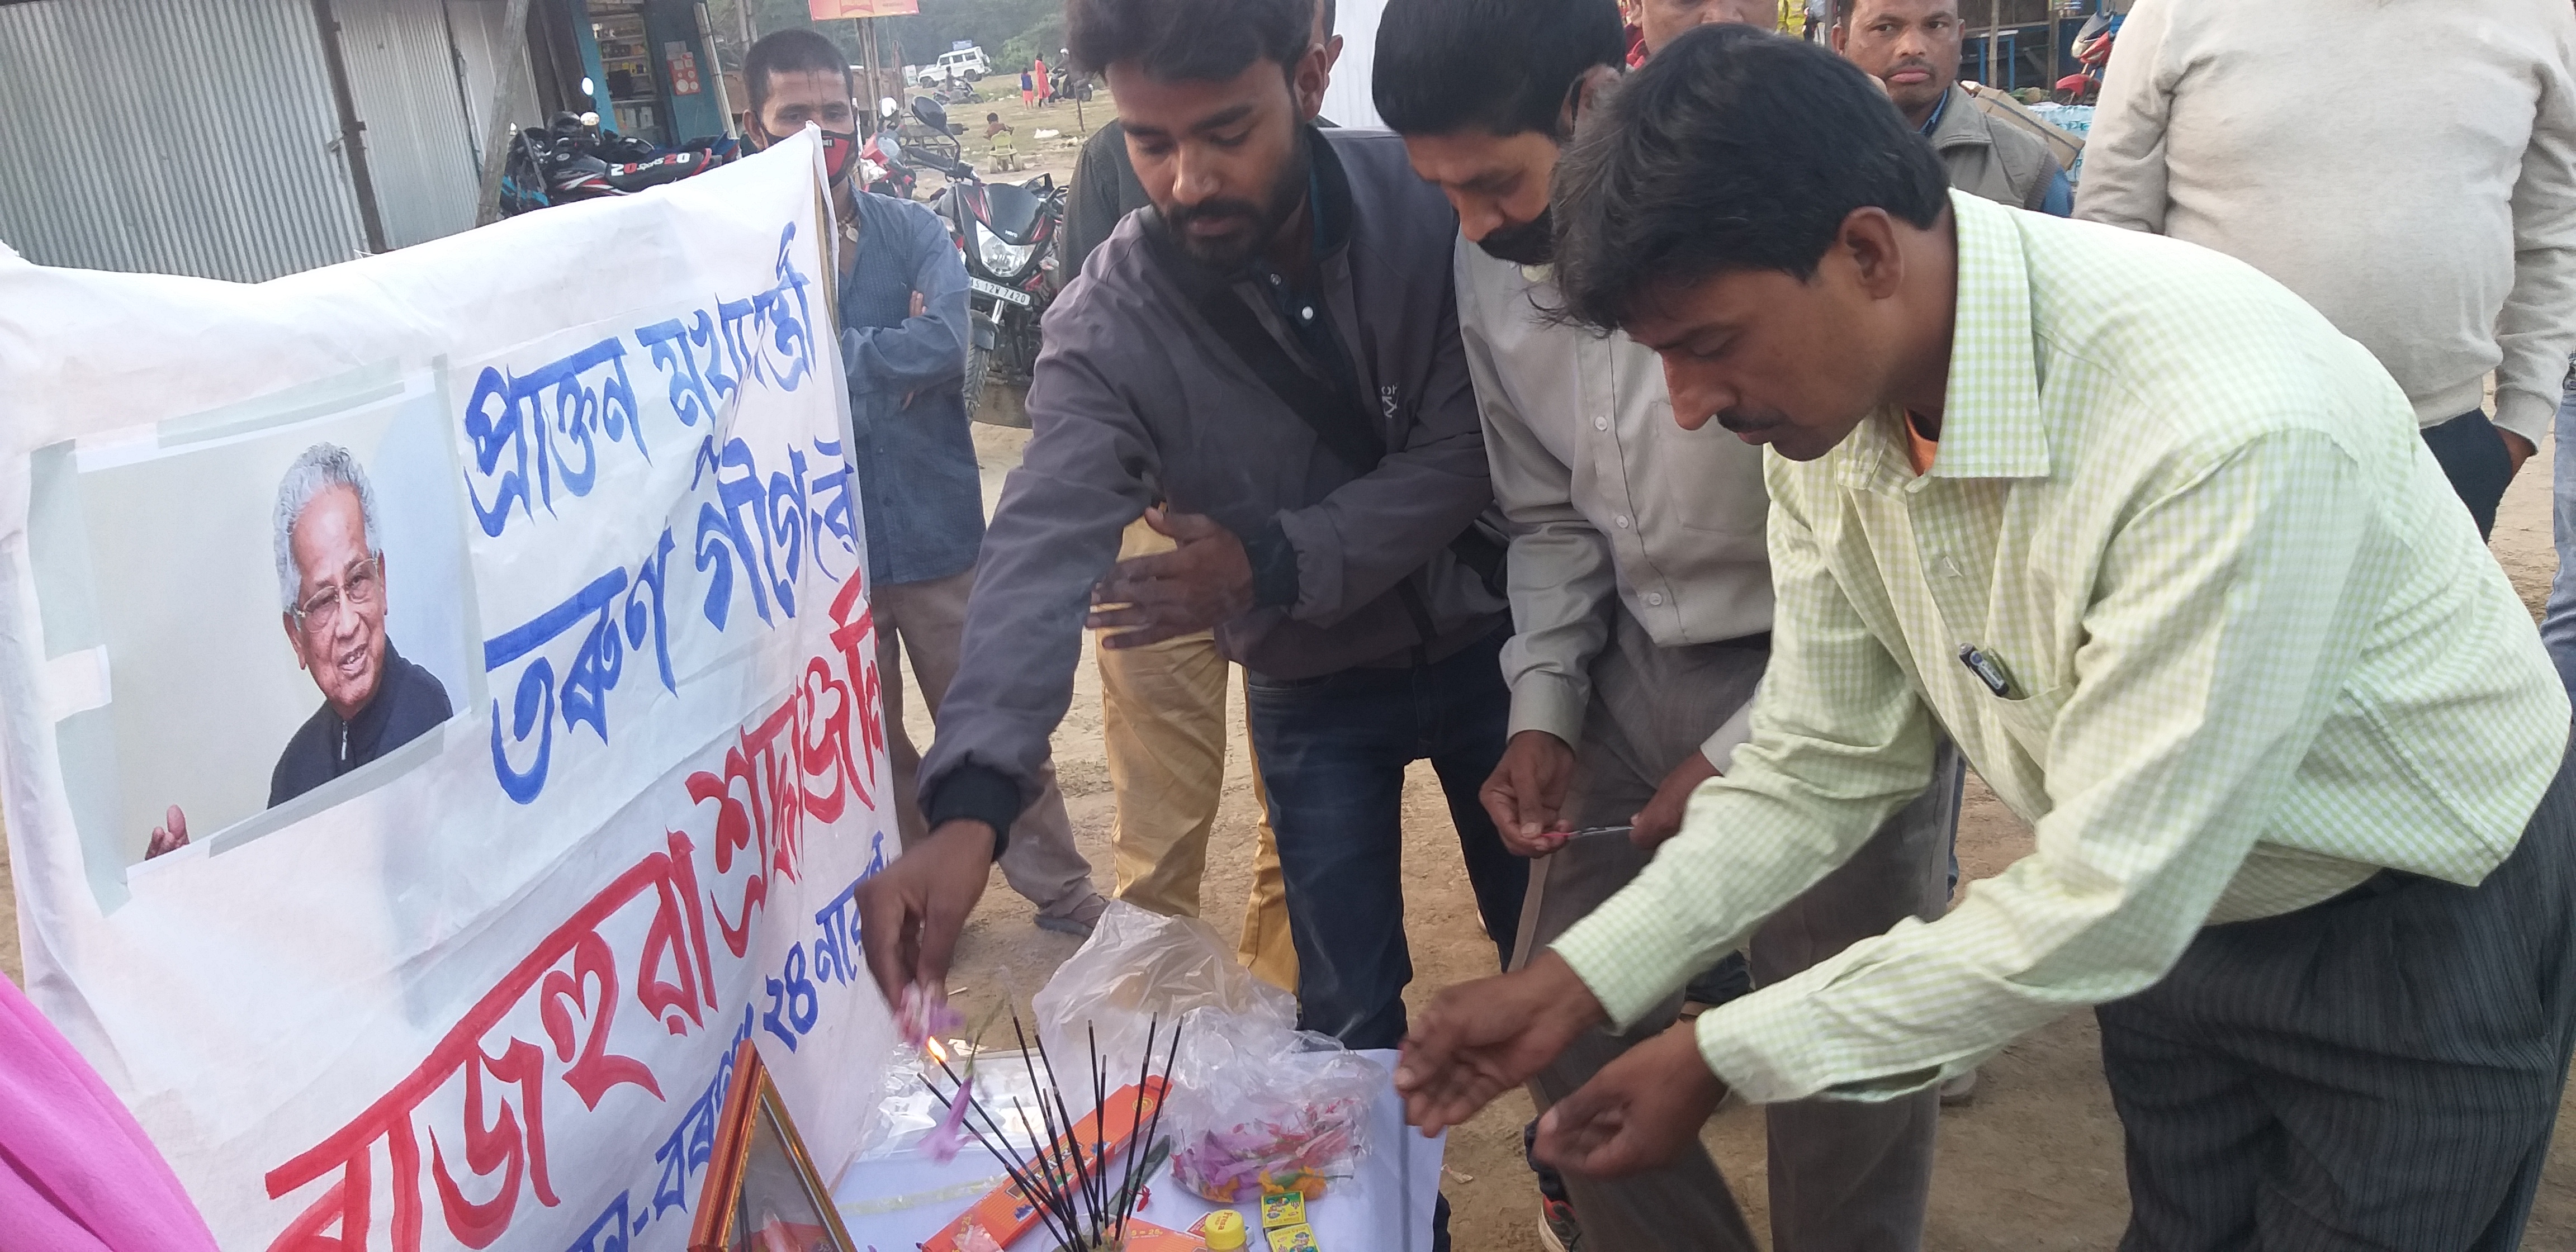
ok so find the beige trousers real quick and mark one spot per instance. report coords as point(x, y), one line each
point(1163, 716)
point(928, 621)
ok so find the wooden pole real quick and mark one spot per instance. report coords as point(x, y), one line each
point(514, 81)
point(1994, 37)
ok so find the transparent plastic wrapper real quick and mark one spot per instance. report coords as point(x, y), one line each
point(907, 1111)
point(1139, 968)
point(1257, 1109)
point(1256, 1103)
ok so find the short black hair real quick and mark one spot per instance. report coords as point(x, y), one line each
point(1732, 149)
point(1187, 40)
point(1501, 66)
point(794, 50)
point(1331, 15)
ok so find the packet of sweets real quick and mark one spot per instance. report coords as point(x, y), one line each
point(1283, 1208)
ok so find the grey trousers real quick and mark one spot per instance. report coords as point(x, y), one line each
point(1845, 1177)
point(2380, 1071)
point(928, 620)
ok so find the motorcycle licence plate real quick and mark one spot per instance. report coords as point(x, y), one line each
point(998, 291)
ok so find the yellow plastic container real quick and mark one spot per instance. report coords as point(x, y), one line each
point(1223, 1231)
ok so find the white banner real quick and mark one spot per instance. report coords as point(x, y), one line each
point(490, 615)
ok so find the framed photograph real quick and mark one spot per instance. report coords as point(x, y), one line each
point(762, 1193)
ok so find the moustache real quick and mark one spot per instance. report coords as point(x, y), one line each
point(1185, 216)
point(1911, 63)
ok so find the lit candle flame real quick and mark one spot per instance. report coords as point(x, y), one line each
point(937, 1053)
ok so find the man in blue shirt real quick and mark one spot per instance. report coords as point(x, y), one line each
point(904, 327)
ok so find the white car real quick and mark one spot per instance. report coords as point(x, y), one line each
point(966, 63)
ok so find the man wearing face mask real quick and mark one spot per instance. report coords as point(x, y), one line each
point(1641, 589)
point(903, 340)
point(1267, 367)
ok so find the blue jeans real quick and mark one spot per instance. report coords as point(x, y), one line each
point(2558, 624)
point(1333, 752)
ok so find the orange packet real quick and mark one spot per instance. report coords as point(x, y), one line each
point(1006, 1213)
point(1145, 1236)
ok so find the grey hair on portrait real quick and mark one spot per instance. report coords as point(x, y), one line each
point(322, 467)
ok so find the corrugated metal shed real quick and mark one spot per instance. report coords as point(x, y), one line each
point(188, 138)
point(403, 74)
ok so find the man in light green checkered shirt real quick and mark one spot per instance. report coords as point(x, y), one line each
point(2162, 552)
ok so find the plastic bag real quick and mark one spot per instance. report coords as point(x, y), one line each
point(1256, 1104)
point(1137, 969)
point(1257, 1109)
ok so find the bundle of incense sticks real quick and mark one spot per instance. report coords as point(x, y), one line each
point(1068, 1181)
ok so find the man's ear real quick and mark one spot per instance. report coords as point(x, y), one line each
point(1869, 237)
point(295, 639)
point(1307, 82)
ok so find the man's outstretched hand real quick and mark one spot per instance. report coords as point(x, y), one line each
point(1201, 585)
point(1526, 795)
point(1639, 1112)
point(1661, 819)
point(1481, 1039)
point(910, 911)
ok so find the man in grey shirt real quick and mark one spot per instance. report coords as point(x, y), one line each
point(1346, 582)
point(1641, 589)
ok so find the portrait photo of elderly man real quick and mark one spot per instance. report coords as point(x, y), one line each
point(331, 576)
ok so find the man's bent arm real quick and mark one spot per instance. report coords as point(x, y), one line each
point(2124, 156)
point(1561, 574)
point(2226, 619)
point(1370, 533)
point(1840, 742)
point(923, 350)
point(2537, 328)
point(1054, 533)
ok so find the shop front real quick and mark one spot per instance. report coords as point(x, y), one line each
point(652, 71)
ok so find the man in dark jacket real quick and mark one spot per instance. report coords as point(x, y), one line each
point(903, 340)
point(1345, 581)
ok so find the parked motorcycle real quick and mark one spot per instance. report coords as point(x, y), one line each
point(885, 171)
point(1008, 234)
point(572, 159)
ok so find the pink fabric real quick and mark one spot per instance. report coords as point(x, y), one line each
point(76, 1172)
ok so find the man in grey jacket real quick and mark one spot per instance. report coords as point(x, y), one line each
point(1334, 544)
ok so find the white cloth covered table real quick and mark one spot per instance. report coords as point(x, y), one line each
point(1385, 1208)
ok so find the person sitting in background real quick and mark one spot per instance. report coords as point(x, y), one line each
point(2437, 225)
point(1003, 141)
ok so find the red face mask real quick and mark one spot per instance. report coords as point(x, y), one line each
point(840, 155)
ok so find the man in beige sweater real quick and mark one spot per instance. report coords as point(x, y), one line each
point(2428, 210)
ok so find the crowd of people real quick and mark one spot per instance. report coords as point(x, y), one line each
point(1451, 439)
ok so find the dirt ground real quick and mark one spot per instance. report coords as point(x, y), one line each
point(1039, 153)
point(2032, 1164)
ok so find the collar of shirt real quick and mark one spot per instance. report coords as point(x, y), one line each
point(1939, 107)
point(1990, 417)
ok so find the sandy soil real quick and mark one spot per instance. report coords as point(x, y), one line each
point(2032, 1164)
